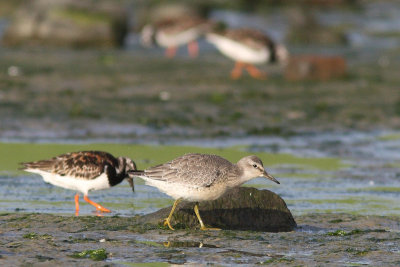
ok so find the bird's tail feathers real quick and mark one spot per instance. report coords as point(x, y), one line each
point(42, 165)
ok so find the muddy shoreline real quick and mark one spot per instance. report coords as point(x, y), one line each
point(327, 239)
point(72, 94)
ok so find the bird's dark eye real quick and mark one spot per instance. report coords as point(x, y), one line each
point(255, 165)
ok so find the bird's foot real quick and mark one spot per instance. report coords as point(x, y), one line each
point(236, 74)
point(167, 222)
point(102, 209)
point(96, 205)
point(256, 73)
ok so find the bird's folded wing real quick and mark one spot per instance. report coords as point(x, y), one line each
point(192, 170)
point(88, 165)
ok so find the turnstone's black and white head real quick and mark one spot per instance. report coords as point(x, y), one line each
point(84, 171)
point(247, 47)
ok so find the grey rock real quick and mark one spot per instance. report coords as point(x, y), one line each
point(241, 208)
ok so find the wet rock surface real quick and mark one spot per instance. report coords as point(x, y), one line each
point(320, 239)
point(241, 208)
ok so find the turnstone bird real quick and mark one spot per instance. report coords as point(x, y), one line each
point(247, 47)
point(174, 32)
point(83, 171)
point(201, 177)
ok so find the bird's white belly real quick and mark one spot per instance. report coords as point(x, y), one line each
point(192, 194)
point(77, 184)
point(238, 51)
point(170, 40)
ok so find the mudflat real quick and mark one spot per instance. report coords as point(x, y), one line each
point(60, 93)
point(320, 239)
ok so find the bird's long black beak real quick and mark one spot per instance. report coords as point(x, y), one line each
point(269, 176)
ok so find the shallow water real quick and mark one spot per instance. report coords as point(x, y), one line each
point(367, 181)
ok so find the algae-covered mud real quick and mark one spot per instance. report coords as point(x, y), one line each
point(321, 239)
point(124, 96)
point(343, 190)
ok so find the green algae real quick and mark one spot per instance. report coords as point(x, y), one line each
point(389, 137)
point(148, 155)
point(344, 233)
point(94, 254)
point(341, 232)
point(30, 236)
point(82, 17)
point(386, 189)
point(36, 236)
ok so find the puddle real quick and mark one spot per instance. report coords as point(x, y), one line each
point(365, 180)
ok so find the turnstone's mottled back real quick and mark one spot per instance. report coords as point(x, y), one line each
point(174, 32)
point(83, 171)
point(201, 177)
point(247, 47)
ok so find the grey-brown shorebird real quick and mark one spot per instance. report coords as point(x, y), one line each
point(201, 177)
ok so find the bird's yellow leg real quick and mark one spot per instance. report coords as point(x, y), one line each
point(167, 221)
point(202, 227)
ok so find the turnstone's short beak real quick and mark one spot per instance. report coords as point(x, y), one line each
point(269, 176)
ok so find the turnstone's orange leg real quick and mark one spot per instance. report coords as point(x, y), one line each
point(98, 206)
point(193, 49)
point(255, 73)
point(170, 52)
point(237, 70)
point(77, 204)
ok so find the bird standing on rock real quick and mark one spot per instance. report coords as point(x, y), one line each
point(84, 171)
point(201, 177)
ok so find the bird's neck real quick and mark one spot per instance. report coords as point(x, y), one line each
point(238, 177)
point(116, 175)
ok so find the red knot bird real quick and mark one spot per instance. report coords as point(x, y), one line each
point(201, 177)
point(247, 47)
point(83, 171)
point(174, 32)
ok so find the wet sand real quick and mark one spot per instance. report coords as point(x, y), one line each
point(321, 239)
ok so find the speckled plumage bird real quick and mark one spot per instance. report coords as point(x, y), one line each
point(247, 47)
point(201, 177)
point(173, 32)
point(83, 171)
